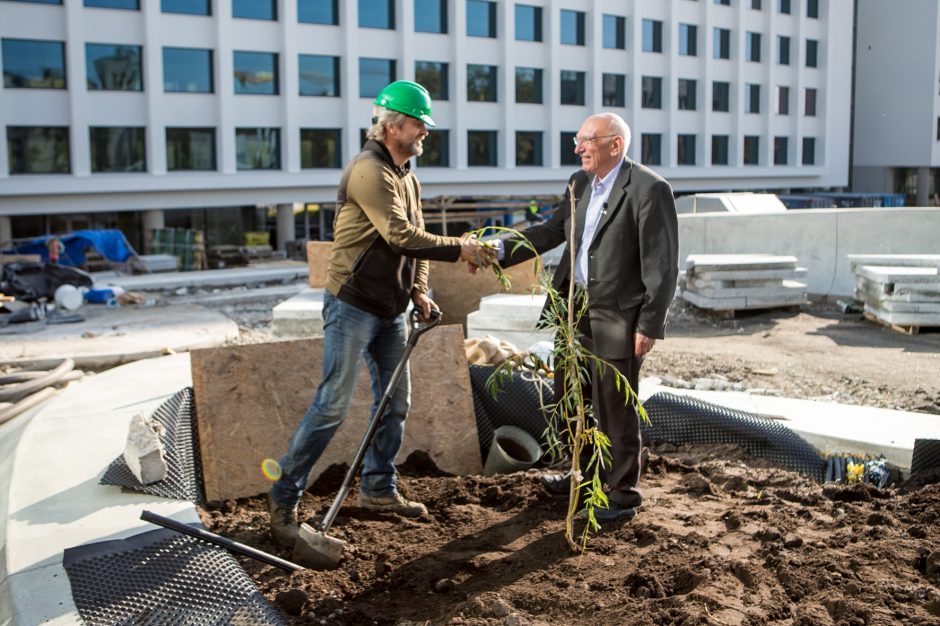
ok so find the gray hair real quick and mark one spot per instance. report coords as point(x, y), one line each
point(618, 127)
point(382, 116)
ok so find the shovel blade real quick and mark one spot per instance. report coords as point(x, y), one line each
point(316, 550)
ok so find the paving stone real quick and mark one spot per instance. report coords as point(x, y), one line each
point(799, 272)
point(904, 318)
point(784, 289)
point(695, 263)
point(900, 275)
point(299, 316)
point(895, 260)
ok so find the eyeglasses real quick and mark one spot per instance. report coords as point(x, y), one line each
point(579, 140)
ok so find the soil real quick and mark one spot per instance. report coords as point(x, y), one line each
point(722, 538)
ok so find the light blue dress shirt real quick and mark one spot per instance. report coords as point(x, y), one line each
point(600, 192)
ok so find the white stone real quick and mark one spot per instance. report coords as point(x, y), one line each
point(695, 263)
point(902, 275)
point(799, 272)
point(144, 453)
point(904, 319)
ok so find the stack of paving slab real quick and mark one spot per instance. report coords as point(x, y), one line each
point(509, 317)
point(899, 289)
point(735, 282)
point(300, 316)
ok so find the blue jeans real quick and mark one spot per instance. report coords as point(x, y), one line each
point(349, 335)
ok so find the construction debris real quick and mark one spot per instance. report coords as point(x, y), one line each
point(899, 291)
point(144, 452)
point(734, 282)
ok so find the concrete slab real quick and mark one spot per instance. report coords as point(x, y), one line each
point(896, 260)
point(509, 318)
point(902, 318)
point(892, 306)
point(729, 262)
point(784, 289)
point(284, 271)
point(899, 293)
point(799, 272)
point(900, 275)
point(299, 316)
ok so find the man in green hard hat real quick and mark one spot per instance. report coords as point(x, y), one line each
point(377, 267)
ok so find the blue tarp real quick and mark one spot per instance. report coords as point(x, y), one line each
point(111, 244)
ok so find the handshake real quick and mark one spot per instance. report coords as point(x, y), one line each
point(477, 253)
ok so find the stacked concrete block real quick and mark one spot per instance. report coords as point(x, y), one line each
point(300, 316)
point(902, 290)
point(509, 317)
point(734, 282)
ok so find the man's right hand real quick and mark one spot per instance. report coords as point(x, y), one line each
point(476, 253)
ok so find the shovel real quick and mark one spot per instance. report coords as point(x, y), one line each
point(314, 548)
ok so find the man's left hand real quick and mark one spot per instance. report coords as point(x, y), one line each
point(424, 304)
point(641, 345)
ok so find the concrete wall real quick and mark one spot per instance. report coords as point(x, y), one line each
point(819, 238)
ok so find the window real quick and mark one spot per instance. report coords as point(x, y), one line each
point(651, 149)
point(780, 150)
point(256, 72)
point(33, 64)
point(38, 149)
point(189, 7)
point(752, 50)
point(117, 149)
point(255, 9)
point(719, 149)
point(572, 87)
point(812, 9)
point(481, 18)
point(528, 23)
point(721, 96)
point(613, 27)
point(436, 149)
point(755, 5)
point(568, 156)
point(481, 83)
point(374, 74)
point(190, 149)
point(112, 67)
point(433, 76)
point(187, 70)
point(572, 28)
point(258, 148)
point(528, 147)
point(783, 100)
point(320, 148)
point(613, 94)
point(319, 75)
point(783, 6)
point(752, 105)
point(318, 12)
point(721, 43)
point(481, 148)
point(41, 1)
point(133, 5)
point(431, 16)
point(377, 14)
point(688, 46)
point(685, 150)
point(529, 85)
point(812, 49)
point(652, 36)
point(686, 94)
point(809, 151)
point(726, 3)
point(783, 50)
point(751, 150)
point(652, 92)
point(809, 106)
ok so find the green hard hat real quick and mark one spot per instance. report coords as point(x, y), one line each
point(407, 97)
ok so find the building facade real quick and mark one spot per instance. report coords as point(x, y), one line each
point(130, 105)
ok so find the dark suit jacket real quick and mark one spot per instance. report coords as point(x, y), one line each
point(633, 259)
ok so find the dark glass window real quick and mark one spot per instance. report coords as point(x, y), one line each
point(726, 3)
point(721, 96)
point(41, 1)
point(190, 149)
point(572, 87)
point(319, 75)
point(721, 43)
point(33, 64)
point(752, 105)
point(780, 150)
point(433, 76)
point(752, 50)
point(481, 148)
point(783, 6)
point(613, 94)
point(652, 36)
point(318, 12)
point(258, 148)
point(572, 27)
point(812, 9)
point(783, 100)
point(377, 14)
point(528, 147)
point(436, 149)
point(481, 18)
point(528, 23)
point(38, 149)
point(320, 148)
point(652, 92)
point(783, 50)
point(568, 156)
point(809, 109)
point(685, 149)
point(688, 40)
point(529, 85)
point(255, 9)
point(719, 149)
point(431, 16)
point(256, 72)
point(190, 7)
point(755, 4)
point(614, 27)
point(812, 51)
point(481, 83)
point(651, 149)
point(374, 74)
point(117, 149)
point(111, 67)
point(686, 94)
point(751, 150)
point(809, 151)
point(187, 70)
point(132, 5)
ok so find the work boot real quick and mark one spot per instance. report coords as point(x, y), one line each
point(556, 484)
point(284, 525)
point(392, 504)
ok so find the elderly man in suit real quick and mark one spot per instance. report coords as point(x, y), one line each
point(626, 247)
